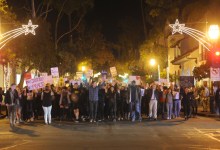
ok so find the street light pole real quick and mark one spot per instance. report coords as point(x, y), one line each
point(158, 66)
point(153, 63)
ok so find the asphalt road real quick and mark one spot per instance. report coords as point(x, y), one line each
point(199, 134)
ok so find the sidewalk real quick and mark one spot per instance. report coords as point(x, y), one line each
point(206, 114)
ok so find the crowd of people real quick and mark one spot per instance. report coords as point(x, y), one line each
point(103, 102)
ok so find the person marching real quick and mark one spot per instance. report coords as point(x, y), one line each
point(46, 98)
point(11, 99)
point(134, 95)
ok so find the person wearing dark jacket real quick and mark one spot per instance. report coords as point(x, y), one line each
point(11, 99)
point(64, 103)
point(124, 96)
point(186, 103)
point(134, 97)
point(217, 98)
point(120, 104)
point(112, 103)
point(1, 99)
point(93, 99)
point(101, 103)
point(46, 98)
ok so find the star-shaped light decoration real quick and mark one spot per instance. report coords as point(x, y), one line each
point(29, 28)
point(177, 27)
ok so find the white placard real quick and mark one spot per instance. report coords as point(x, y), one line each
point(113, 71)
point(36, 83)
point(215, 74)
point(89, 73)
point(137, 79)
point(55, 72)
point(48, 80)
point(79, 75)
point(43, 74)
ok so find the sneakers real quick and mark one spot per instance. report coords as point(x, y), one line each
point(91, 121)
point(77, 121)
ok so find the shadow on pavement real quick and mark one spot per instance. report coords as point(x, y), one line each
point(22, 131)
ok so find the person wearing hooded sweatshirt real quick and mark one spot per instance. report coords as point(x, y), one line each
point(46, 98)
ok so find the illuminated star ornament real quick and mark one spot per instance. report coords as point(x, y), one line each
point(29, 28)
point(177, 27)
point(25, 29)
point(196, 34)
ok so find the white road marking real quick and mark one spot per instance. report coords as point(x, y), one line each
point(211, 136)
point(13, 146)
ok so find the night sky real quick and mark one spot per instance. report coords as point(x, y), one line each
point(106, 12)
point(110, 12)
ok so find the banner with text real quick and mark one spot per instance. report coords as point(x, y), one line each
point(34, 84)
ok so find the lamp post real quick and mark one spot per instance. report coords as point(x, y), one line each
point(213, 32)
point(153, 63)
point(83, 68)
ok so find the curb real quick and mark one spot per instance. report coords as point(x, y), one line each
point(207, 115)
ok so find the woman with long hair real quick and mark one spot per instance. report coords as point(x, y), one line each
point(46, 98)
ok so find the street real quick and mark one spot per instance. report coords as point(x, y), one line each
point(196, 133)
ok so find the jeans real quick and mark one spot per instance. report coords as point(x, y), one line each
point(161, 109)
point(135, 108)
point(153, 109)
point(0, 109)
point(120, 109)
point(186, 107)
point(218, 108)
point(112, 108)
point(12, 114)
point(169, 110)
point(205, 104)
point(30, 109)
point(63, 113)
point(194, 105)
point(101, 109)
point(177, 107)
point(93, 109)
point(47, 114)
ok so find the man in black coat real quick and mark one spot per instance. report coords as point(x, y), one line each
point(217, 98)
point(11, 100)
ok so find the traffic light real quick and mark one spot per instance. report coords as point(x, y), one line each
point(215, 58)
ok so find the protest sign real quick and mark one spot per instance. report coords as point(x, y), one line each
point(89, 73)
point(36, 83)
point(55, 72)
point(113, 71)
point(43, 74)
point(137, 79)
point(48, 80)
point(215, 74)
